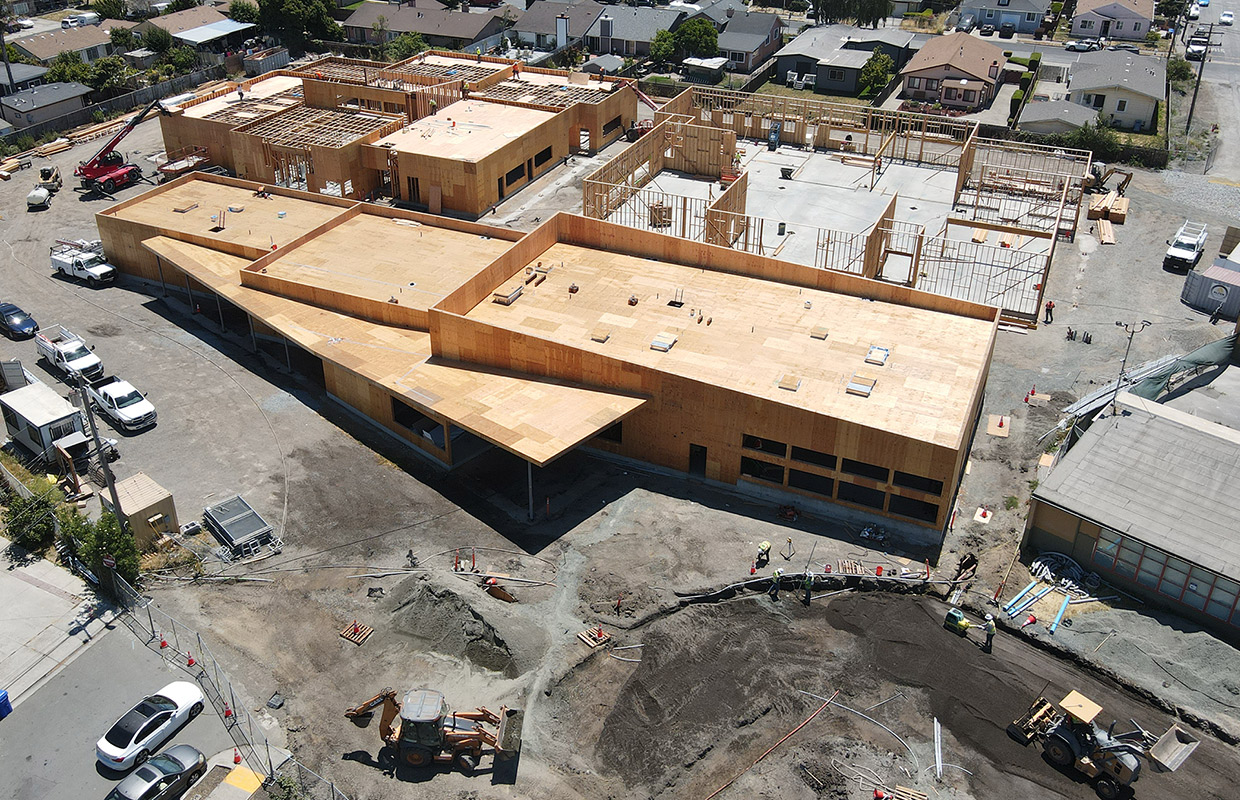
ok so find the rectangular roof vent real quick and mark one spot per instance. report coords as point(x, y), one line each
point(508, 296)
point(860, 385)
point(600, 335)
point(877, 355)
point(818, 332)
point(663, 342)
point(790, 382)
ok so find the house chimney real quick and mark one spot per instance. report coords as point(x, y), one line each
point(604, 24)
point(731, 11)
point(561, 31)
point(994, 69)
point(465, 6)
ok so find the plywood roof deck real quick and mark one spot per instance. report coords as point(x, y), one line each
point(262, 98)
point(537, 419)
point(340, 69)
point(480, 129)
point(547, 90)
point(380, 257)
point(759, 332)
point(450, 69)
point(320, 127)
point(258, 225)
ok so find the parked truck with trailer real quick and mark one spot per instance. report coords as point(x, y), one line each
point(82, 259)
point(124, 406)
point(67, 352)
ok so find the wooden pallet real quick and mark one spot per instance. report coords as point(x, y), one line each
point(594, 637)
point(358, 634)
point(850, 567)
point(905, 793)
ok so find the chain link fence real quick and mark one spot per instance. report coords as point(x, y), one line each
point(182, 646)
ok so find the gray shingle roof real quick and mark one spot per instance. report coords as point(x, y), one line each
point(540, 16)
point(818, 43)
point(745, 33)
point(1158, 475)
point(845, 59)
point(637, 24)
point(717, 10)
point(45, 95)
point(1039, 7)
point(426, 21)
point(1072, 113)
point(24, 72)
point(1106, 68)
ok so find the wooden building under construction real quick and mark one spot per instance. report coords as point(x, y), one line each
point(739, 369)
point(441, 131)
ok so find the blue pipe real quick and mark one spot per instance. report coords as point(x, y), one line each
point(1012, 603)
point(1062, 609)
point(1016, 612)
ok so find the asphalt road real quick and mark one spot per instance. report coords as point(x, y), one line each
point(47, 746)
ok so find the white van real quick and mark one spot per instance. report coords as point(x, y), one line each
point(88, 18)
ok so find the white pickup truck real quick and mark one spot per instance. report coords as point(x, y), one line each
point(1184, 251)
point(123, 405)
point(84, 260)
point(68, 352)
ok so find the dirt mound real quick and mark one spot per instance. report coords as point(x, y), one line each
point(444, 622)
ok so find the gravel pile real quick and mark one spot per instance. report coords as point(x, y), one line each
point(1197, 190)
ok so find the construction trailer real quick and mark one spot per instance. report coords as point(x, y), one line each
point(811, 385)
point(147, 508)
point(35, 416)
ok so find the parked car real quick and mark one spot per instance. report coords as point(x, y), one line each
point(164, 777)
point(967, 23)
point(1194, 11)
point(17, 324)
point(1196, 48)
point(1007, 30)
point(12, 27)
point(1203, 3)
point(987, 30)
point(1083, 46)
point(147, 725)
point(26, 24)
point(124, 406)
point(1226, 18)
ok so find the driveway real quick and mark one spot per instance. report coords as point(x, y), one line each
point(47, 746)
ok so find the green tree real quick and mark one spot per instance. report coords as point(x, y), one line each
point(108, 73)
point(871, 12)
point(183, 59)
point(296, 21)
point(380, 28)
point(833, 10)
point(407, 45)
point(697, 38)
point(1179, 70)
point(662, 47)
point(182, 5)
point(157, 40)
point(243, 11)
point(75, 529)
point(109, 539)
point(123, 39)
point(109, 9)
point(876, 71)
point(29, 521)
point(67, 66)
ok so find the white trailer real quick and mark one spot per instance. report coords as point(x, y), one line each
point(35, 416)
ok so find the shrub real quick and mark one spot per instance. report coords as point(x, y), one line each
point(1026, 78)
point(1056, 8)
point(30, 521)
point(1018, 97)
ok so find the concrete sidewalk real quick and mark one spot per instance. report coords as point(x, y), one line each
point(48, 616)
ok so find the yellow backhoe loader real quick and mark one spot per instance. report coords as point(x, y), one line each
point(422, 730)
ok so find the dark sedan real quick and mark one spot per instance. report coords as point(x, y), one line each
point(17, 324)
point(163, 777)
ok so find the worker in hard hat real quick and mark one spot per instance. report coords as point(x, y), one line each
point(808, 585)
point(764, 553)
point(989, 628)
point(776, 577)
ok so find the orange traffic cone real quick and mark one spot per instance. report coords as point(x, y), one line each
point(163, 641)
point(228, 712)
point(190, 656)
point(236, 756)
point(1034, 391)
point(753, 567)
point(1032, 619)
point(1026, 397)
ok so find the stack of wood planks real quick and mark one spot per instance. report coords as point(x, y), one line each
point(1109, 210)
point(52, 148)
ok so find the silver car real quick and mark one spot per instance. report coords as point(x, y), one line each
point(163, 777)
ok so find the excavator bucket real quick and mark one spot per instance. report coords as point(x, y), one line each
point(1173, 748)
point(508, 736)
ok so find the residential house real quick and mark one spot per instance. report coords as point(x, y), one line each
point(438, 27)
point(43, 102)
point(625, 31)
point(1124, 88)
point(90, 42)
point(749, 39)
point(181, 21)
point(550, 25)
point(957, 70)
point(718, 12)
point(224, 36)
point(1026, 15)
point(1055, 116)
point(24, 76)
point(603, 65)
point(830, 57)
point(1114, 19)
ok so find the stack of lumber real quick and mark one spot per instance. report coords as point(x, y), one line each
point(52, 148)
point(88, 132)
point(1118, 212)
point(1100, 204)
point(9, 166)
point(1106, 233)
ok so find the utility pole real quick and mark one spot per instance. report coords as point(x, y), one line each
point(1133, 329)
point(1200, 70)
point(4, 48)
point(103, 460)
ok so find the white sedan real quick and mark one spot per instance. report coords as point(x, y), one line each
point(1226, 18)
point(147, 725)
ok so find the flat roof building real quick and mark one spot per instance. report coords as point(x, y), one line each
point(733, 367)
